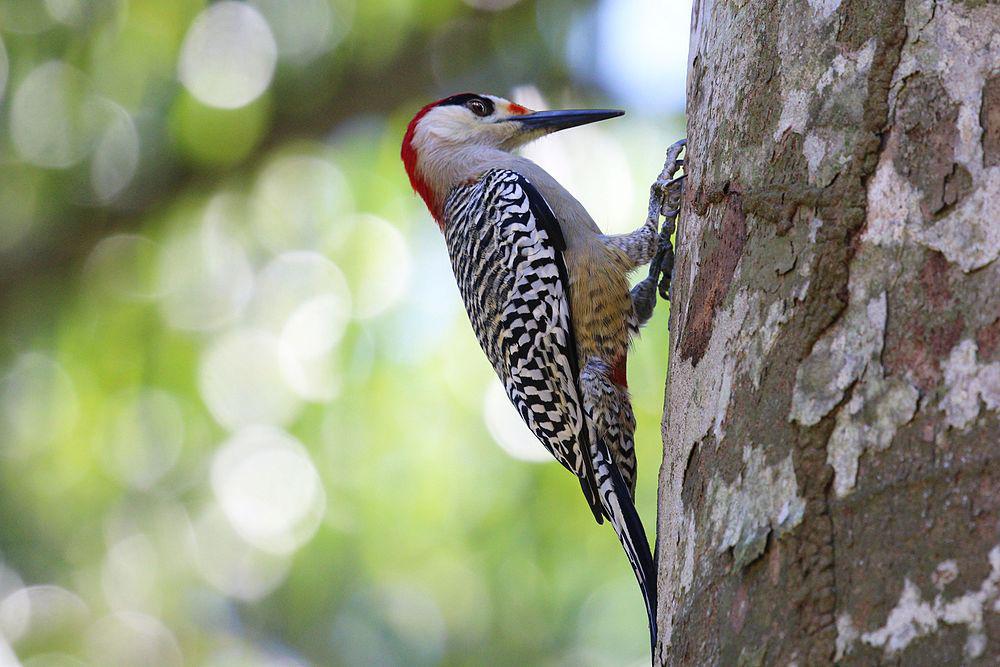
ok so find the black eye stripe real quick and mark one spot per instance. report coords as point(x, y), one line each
point(465, 98)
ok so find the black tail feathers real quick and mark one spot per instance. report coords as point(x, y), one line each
point(620, 510)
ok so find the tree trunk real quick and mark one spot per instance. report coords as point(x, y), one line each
point(830, 488)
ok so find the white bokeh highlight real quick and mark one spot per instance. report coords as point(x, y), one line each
point(132, 639)
point(303, 29)
point(242, 654)
point(231, 565)
point(508, 429)
point(315, 327)
point(228, 56)
point(144, 437)
point(54, 116)
point(67, 12)
point(38, 404)
point(268, 488)
point(116, 155)
point(205, 277)
point(299, 202)
point(382, 274)
point(303, 298)
point(42, 611)
point(307, 345)
point(130, 575)
point(15, 610)
point(293, 279)
point(241, 382)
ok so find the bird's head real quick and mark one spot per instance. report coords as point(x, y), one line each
point(449, 140)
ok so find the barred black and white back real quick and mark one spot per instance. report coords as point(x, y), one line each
point(518, 306)
point(506, 250)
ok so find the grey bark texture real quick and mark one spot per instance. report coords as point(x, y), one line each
point(830, 489)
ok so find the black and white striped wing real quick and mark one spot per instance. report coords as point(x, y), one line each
point(506, 251)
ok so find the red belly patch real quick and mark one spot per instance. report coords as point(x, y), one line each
point(618, 371)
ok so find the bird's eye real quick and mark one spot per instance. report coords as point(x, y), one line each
point(478, 107)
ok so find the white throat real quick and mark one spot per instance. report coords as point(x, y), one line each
point(445, 166)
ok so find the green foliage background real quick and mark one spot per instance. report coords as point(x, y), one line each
point(243, 419)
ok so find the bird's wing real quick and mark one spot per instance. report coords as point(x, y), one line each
point(507, 253)
point(507, 247)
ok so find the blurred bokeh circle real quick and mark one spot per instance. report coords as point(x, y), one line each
point(268, 488)
point(228, 56)
point(55, 116)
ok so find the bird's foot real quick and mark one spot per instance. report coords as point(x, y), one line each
point(665, 198)
point(644, 299)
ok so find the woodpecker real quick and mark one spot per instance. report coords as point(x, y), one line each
point(546, 291)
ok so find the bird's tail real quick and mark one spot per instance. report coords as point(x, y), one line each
point(620, 511)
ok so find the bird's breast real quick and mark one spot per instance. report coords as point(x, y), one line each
point(600, 303)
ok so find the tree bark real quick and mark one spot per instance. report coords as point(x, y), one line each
point(830, 488)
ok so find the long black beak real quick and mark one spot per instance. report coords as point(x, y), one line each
point(551, 121)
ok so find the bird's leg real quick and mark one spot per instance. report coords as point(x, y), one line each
point(610, 414)
point(661, 268)
point(640, 246)
point(664, 199)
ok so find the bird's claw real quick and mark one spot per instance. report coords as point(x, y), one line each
point(644, 299)
point(672, 163)
point(665, 199)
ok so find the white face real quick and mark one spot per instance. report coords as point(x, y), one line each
point(473, 120)
point(458, 138)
